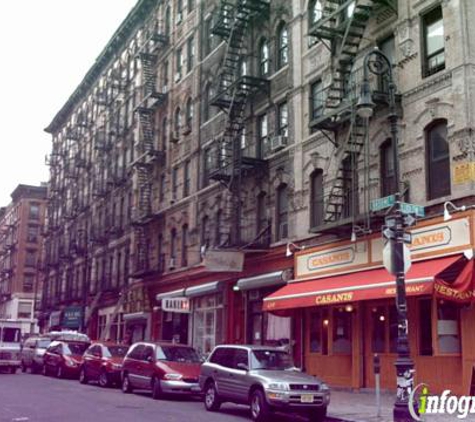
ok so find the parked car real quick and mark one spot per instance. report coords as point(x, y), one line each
point(64, 358)
point(102, 362)
point(10, 345)
point(32, 353)
point(264, 378)
point(161, 367)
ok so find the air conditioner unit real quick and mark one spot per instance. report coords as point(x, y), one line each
point(278, 142)
point(177, 76)
point(171, 264)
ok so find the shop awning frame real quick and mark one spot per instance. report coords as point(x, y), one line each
point(204, 289)
point(173, 293)
point(276, 278)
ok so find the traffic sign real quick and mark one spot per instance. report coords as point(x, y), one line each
point(388, 254)
point(406, 208)
point(382, 203)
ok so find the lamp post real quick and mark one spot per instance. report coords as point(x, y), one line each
point(378, 64)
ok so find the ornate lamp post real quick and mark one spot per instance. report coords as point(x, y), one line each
point(378, 64)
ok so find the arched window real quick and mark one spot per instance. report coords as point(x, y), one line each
point(314, 11)
point(438, 160)
point(164, 133)
point(282, 212)
point(218, 228)
point(189, 114)
point(167, 21)
point(282, 45)
point(317, 212)
point(264, 57)
point(184, 245)
point(387, 169)
point(177, 121)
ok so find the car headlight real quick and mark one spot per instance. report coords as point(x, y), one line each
point(324, 387)
point(278, 386)
point(173, 377)
point(71, 363)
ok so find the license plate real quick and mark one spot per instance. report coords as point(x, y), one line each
point(306, 398)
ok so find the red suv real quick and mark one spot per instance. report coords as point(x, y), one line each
point(102, 362)
point(161, 367)
point(64, 358)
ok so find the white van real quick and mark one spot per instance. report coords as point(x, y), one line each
point(10, 345)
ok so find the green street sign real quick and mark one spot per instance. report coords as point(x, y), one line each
point(417, 210)
point(382, 203)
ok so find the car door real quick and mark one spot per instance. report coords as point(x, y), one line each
point(147, 366)
point(238, 376)
point(134, 365)
point(223, 363)
point(90, 362)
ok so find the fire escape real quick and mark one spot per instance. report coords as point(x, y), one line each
point(341, 28)
point(148, 156)
point(235, 91)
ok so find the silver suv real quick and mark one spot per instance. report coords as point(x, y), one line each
point(32, 353)
point(263, 377)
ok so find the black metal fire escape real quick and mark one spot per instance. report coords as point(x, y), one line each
point(341, 28)
point(148, 156)
point(233, 95)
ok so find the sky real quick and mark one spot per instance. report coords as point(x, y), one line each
point(46, 48)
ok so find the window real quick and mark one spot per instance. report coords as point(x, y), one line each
point(261, 211)
point(350, 187)
point(173, 244)
point(207, 165)
point(263, 130)
point(208, 36)
point(165, 77)
point(30, 259)
point(179, 11)
point(208, 111)
point(388, 182)
point(317, 211)
point(28, 281)
point(184, 246)
point(32, 235)
point(319, 323)
point(163, 180)
point(387, 47)
point(264, 57)
point(283, 119)
point(316, 100)
point(204, 239)
point(283, 45)
point(167, 21)
point(314, 11)
point(190, 48)
point(34, 212)
point(177, 122)
point(179, 64)
point(448, 327)
point(282, 212)
point(438, 160)
point(342, 331)
point(164, 133)
point(434, 51)
point(191, 5)
point(189, 114)
point(187, 180)
point(24, 310)
point(174, 183)
point(217, 227)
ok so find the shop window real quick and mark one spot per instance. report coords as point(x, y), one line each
point(207, 322)
point(438, 160)
point(425, 327)
point(342, 331)
point(387, 169)
point(319, 323)
point(283, 45)
point(448, 328)
point(434, 49)
point(316, 198)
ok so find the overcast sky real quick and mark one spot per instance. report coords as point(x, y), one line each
point(47, 46)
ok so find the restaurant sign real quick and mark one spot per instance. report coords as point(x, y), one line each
point(176, 304)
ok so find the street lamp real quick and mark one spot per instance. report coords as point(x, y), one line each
point(378, 64)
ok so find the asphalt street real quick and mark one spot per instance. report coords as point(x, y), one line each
point(36, 398)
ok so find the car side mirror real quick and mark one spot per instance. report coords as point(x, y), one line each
point(242, 366)
point(149, 359)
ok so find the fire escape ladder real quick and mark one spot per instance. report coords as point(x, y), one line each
point(343, 23)
point(144, 210)
point(141, 260)
point(122, 297)
point(343, 196)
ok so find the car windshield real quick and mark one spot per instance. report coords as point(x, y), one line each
point(11, 335)
point(115, 351)
point(271, 359)
point(43, 344)
point(178, 354)
point(75, 348)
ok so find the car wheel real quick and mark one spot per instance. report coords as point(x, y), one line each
point(45, 370)
point(318, 415)
point(211, 398)
point(82, 376)
point(126, 386)
point(104, 379)
point(156, 389)
point(260, 411)
point(59, 371)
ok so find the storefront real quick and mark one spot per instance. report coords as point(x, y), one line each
point(137, 315)
point(174, 318)
point(347, 304)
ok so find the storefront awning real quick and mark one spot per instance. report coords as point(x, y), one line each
point(277, 278)
point(439, 275)
point(204, 289)
point(173, 293)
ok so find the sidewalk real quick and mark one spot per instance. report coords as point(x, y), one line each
point(361, 407)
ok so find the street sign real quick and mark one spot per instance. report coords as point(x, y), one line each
point(388, 255)
point(382, 203)
point(406, 208)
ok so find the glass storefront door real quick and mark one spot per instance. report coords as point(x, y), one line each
point(207, 322)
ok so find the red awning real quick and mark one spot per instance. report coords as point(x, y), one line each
point(422, 278)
